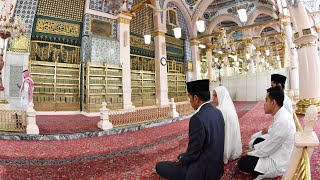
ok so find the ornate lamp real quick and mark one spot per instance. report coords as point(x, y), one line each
point(177, 32)
point(200, 25)
point(147, 39)
point(118, 5)
point(242, 14)
point(9, 27)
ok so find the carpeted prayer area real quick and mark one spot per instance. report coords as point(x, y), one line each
point(130, 155)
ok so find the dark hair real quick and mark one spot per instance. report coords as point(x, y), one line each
point(276, 93)
point(24, 70)
point(203, 95)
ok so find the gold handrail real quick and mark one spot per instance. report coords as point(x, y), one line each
point(297, 122)
point(303, 169)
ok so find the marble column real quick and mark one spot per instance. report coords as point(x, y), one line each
point(309, 66)
point(196, 64)
point(226, 66)
point(257, 61)
point(292, 56)
point(210, 63)
point(161, 70)
point(123, 36)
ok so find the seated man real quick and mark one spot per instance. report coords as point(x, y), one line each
point(204, 156)
point(276, 80)
point(270, 157)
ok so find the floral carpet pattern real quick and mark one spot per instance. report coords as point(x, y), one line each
point(130, 155)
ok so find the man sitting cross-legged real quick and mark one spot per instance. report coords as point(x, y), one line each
point(203, 159)
point(269, 158)
point(276, 80)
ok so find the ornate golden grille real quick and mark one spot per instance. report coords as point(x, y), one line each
point(66, 9)
point(54, 52)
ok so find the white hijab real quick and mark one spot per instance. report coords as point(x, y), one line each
point(224, 99)
point(232, 139)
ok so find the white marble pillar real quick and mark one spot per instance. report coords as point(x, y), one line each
point(226, 66)
point(196, 64)
point(210, 63)
point(161, 70)
point(252, 69)
point(292, 56)
point(257, 61)
point(124, 39)
point(309, 66)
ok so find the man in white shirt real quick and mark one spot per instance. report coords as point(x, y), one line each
point(276, 80)
point(270, 158)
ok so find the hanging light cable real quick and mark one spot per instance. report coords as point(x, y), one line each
point(147, 37)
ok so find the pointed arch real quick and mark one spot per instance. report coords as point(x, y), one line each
point(221, 18)
point(273, 26)
point(270, 40)
point(260, 10)
point(198, 13)
point(183, 10)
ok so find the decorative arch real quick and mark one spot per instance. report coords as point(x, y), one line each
point(273, 26)
point(270, 40)
point(198, 13)
point(221, 18)
point(260, 10)
point(183, 10)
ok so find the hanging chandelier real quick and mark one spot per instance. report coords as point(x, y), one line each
point(116, 5)
point(10, 27)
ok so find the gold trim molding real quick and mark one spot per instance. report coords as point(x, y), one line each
point(303, 45)
point(139, 43)
point(57, 27)
point(174, 41)
point(123, 20)
point(160, 33)
point(194, 42)
point(303, 105)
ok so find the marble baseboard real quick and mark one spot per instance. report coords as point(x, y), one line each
point(117, 130)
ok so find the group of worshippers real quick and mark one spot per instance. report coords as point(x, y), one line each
point(214, 136)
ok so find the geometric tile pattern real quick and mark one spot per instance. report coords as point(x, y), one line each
point(15, 78)
point(184, 27)
point(142, 23)
point(26, 9)
point(86, 46)
point(86, 24)
point(65, 9)
point(105, 50)
point(181, 20)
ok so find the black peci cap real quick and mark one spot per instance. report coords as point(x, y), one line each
point(198, 86)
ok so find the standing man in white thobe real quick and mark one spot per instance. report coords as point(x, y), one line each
point(270, 158)
point(26, 90)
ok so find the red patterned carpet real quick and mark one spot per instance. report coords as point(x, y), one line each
point(130, 155)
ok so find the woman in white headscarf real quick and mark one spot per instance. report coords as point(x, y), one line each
point(232, 140)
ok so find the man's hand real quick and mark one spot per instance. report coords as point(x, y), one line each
point(264, 130)
point(245, 153)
